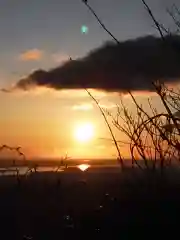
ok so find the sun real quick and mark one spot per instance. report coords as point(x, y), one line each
point(84, 132)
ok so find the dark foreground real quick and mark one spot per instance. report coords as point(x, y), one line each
point(99, 203)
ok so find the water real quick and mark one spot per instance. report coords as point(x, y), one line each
point(22, 170)
point(25, 170)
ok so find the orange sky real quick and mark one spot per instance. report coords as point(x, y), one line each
point(43, 122)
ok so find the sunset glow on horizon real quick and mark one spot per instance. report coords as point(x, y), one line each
point(48, 57)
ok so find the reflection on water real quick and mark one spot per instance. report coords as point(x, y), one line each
point(83, 167)
point(13, 171)
point(25, 170)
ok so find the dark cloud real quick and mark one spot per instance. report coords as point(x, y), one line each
point(131, 65)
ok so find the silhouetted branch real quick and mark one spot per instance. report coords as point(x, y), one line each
point(107, 123)
point(109, 127)
point(154, 136)
point(100, 21)
point(154, 19)
point(173, 13)
point(16, 149)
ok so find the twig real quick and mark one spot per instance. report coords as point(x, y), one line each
point(100, 21)
point(154, 19)
point(110, 130)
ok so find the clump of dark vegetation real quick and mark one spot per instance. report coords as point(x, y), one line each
point(58, 205)
point(152, 137)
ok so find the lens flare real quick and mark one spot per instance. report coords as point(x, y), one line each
point(84, 29)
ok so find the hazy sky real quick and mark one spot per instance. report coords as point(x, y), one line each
point(43, 34)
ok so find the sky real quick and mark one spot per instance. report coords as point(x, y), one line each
point(44, 34)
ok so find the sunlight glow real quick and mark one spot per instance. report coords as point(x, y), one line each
point(84, 132)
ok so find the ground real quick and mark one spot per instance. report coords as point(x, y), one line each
point(87, 204)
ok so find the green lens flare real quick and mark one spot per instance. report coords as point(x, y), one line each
point(84, 29)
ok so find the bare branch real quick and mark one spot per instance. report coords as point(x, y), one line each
point(100, 21)
point(154, 19)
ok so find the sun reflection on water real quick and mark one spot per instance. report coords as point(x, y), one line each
point(83, 167)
